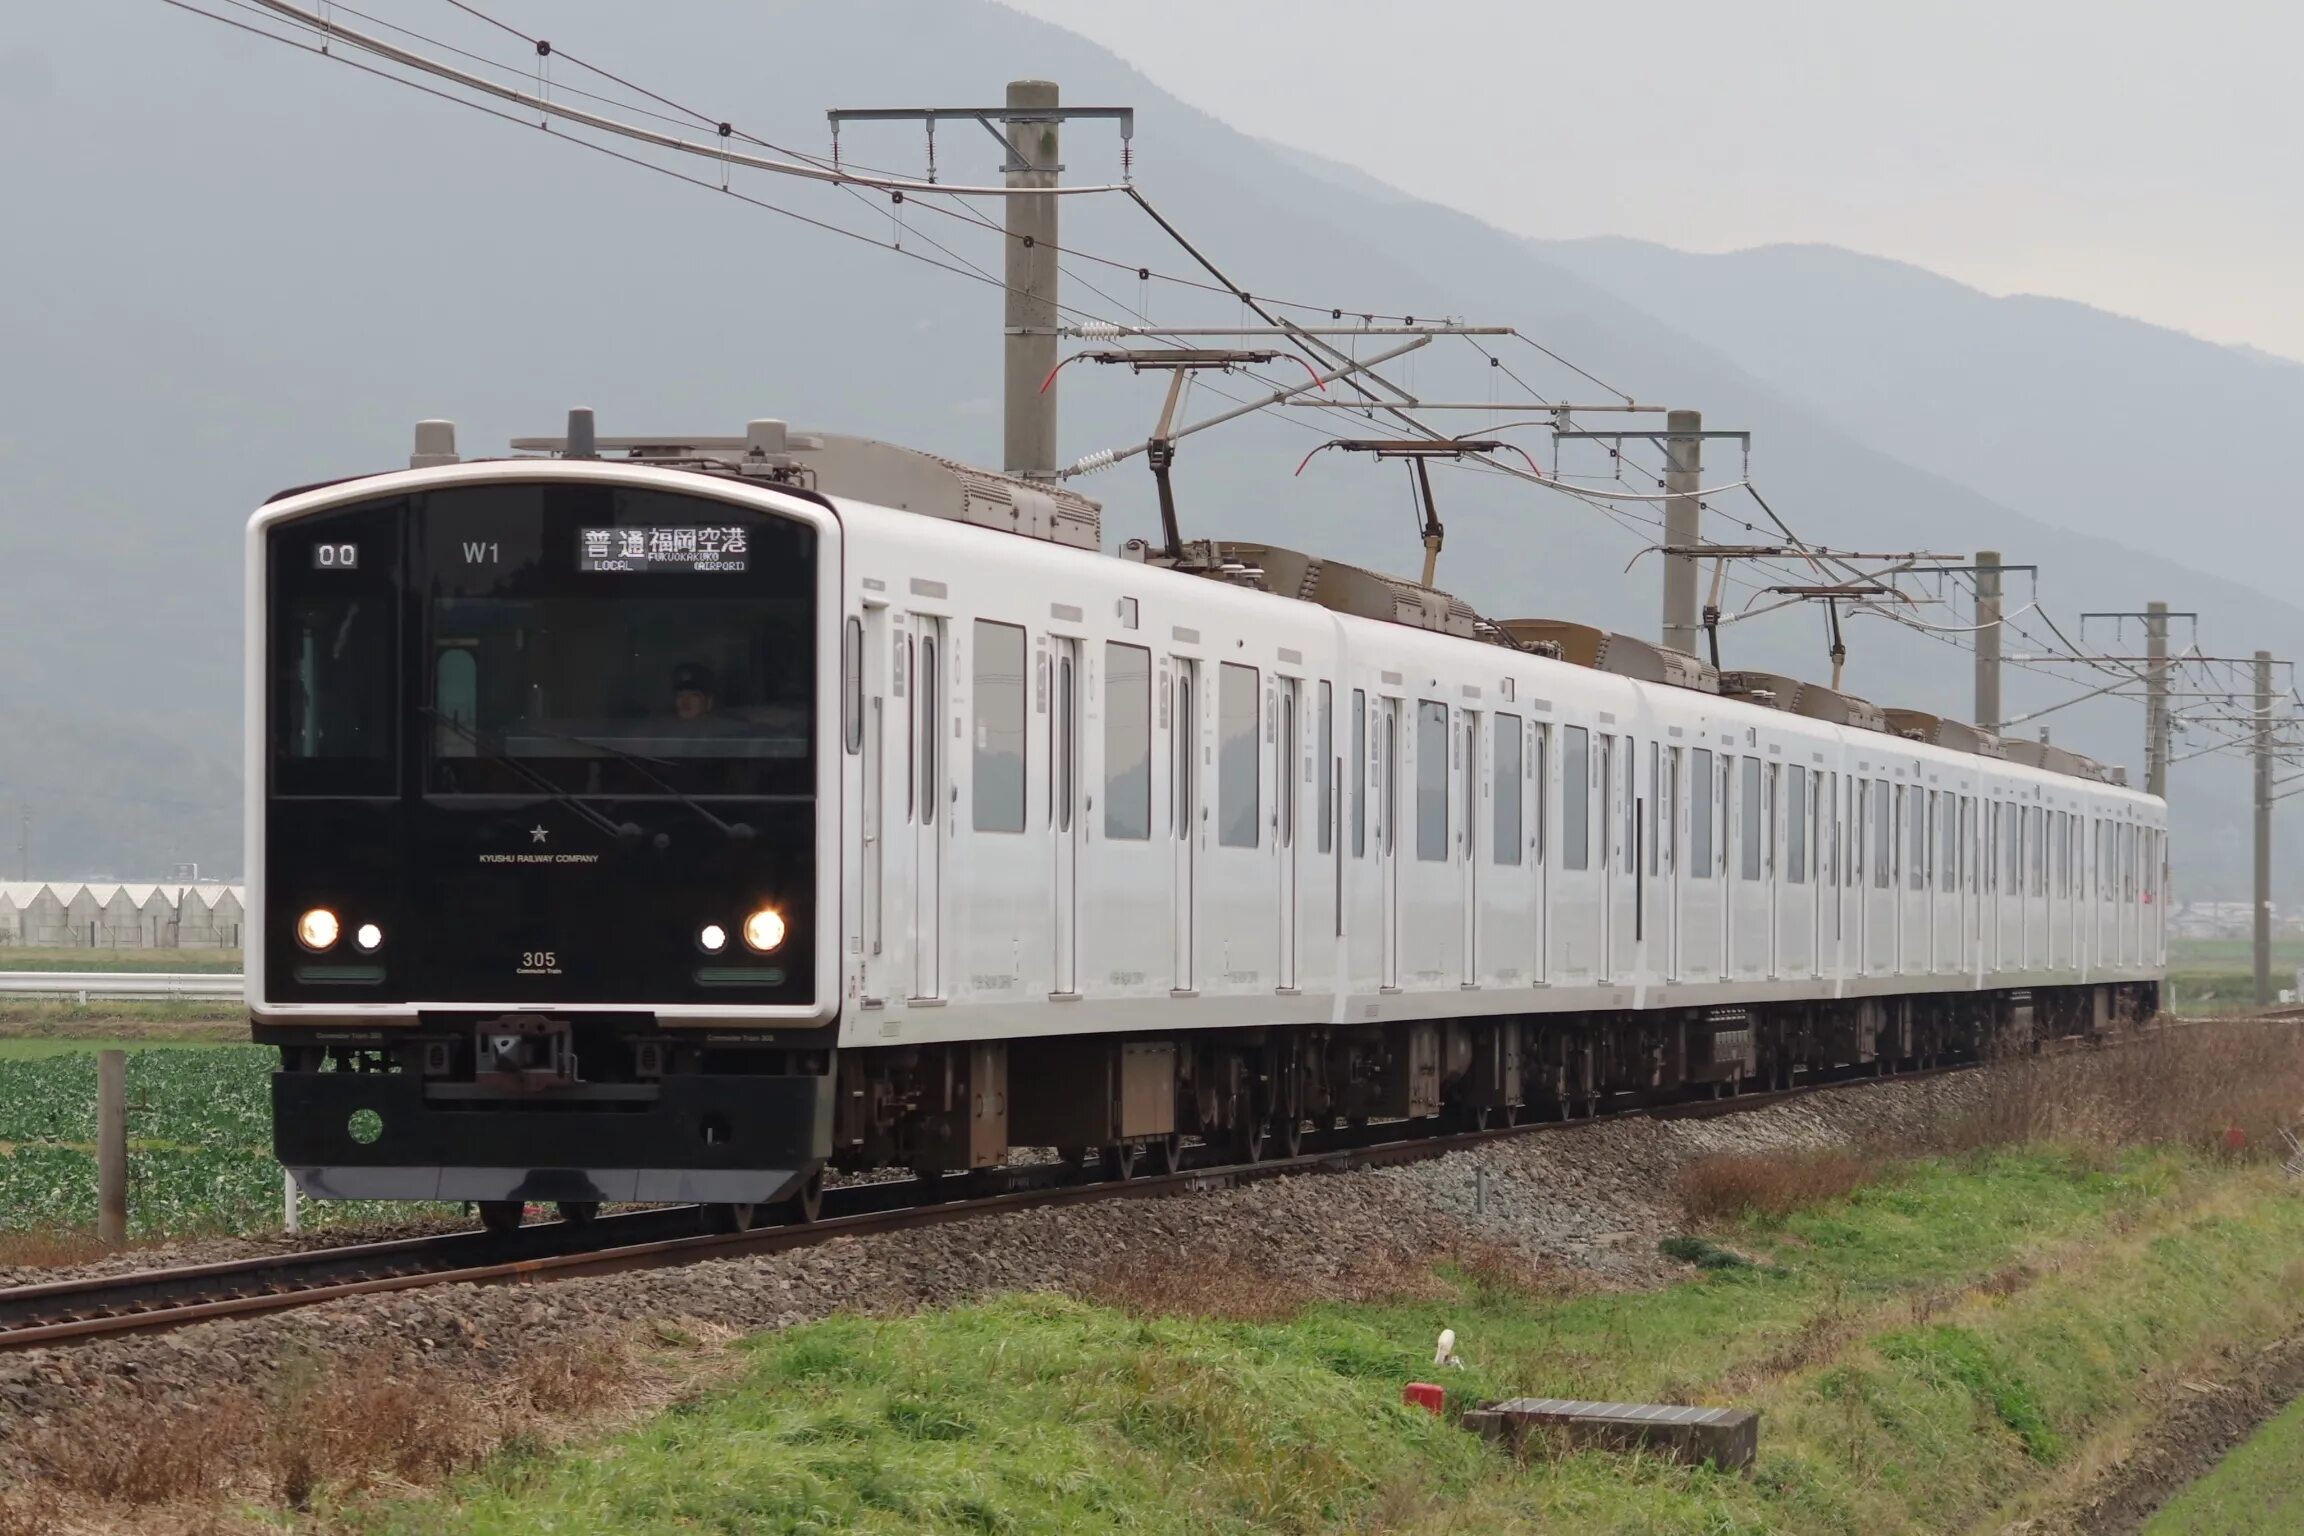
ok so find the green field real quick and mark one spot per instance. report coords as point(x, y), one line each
point(200, 1133)
point(2258, 1490)
point(2208, 976)
point(1923, 1354)
point(201, 960)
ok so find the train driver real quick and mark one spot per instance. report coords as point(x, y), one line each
point(693, 691)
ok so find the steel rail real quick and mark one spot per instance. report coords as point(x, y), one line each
point(71, 1311)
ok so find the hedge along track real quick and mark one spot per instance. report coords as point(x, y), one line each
point(69, 1311)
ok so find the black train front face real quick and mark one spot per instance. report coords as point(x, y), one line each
point(549, 743)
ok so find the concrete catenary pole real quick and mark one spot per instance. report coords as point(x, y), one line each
point(2263, 932)
point(112, 1146)
point(1988, 640)
point(2156, 738)
point(1029, 425)
point(1683, 527)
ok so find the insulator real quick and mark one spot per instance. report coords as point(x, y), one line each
point(1101, 459)
point(1098, 330)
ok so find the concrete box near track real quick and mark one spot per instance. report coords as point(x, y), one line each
point(1728, 1438)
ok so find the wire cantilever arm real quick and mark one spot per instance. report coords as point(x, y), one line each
point(719, 152)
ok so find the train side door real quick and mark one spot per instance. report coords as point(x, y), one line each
point(1469, 744)
point(872, 882)
point(1288, 777)
point(929, 778)
point(1388, 838)
point(1064, 812)
point(1664, 862)
point(1184, 822)
point(1604, 960)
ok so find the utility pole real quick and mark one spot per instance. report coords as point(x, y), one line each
point(2263, 933)
point(1988, 640)
point(1029, 129)
point(1683, 525)
point(2156, 700)
point(1029, 427)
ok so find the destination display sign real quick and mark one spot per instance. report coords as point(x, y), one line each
point(662, 549)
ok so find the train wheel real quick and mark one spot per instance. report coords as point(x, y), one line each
point(1248, 1142)
point(579, 1213)
point(501, 1216)
point(807, 1202)
point(1120, 1160)
point(729, 1217)
point(1168, 1153)
point(1290, 1134)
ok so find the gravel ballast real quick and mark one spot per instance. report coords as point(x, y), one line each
point(1586, 1203)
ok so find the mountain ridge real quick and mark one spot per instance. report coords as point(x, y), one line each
point(372, 257)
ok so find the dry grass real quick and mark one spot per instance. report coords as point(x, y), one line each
point(2227, 1086)
point(59, 1247)
point(1728, 1185)
point(336, 1429)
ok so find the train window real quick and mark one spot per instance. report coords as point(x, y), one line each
point(1575, 797)
point(1062, 785)
point(1180, 779)
point(1796, 827)
point(1883, 837)
point(335, 665)
point(1325, 799)
point(929, 710)
point(1538, 762)
point(1387, 783)
point(2012, 841)
point(1237, 747)
point(1828, 830)
point(1431, 780)
point(1922, 816)
point(852, 684)
point(1700, 815)
point(1127, 741)
point(1508, 789)
point(997, 767)
point(1749, 829)
point(1359, 773)
point(1631, 754)
point(1284, 766)
point(1947, 841)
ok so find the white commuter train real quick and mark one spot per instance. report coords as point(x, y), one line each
point(1116, 852)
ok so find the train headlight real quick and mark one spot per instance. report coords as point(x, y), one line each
point(317, 929)
point(764, 930)
point(711, 938)
point(369, 937)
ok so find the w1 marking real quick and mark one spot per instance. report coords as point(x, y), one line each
point(482, 554)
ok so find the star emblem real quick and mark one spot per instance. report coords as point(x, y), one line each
point(537, 834)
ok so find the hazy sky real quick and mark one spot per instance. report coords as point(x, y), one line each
point(2146, 158)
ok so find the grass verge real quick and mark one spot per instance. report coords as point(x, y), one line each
point(1921, 1351)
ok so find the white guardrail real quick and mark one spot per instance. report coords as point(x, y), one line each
point(119, 986)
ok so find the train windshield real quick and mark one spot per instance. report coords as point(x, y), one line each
point(613, 641)
point(543, 637)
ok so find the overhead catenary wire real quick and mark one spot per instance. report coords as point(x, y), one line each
point(933, 195)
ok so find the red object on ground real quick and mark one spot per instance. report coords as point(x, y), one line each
point(2235, 1138)
point(1422, 1394)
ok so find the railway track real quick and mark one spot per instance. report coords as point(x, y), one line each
point(75, 1310)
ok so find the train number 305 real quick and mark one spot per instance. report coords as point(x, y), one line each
point(538, 959)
